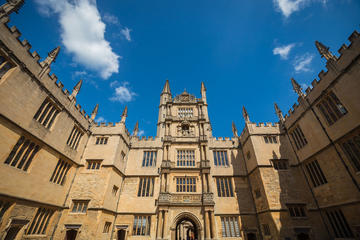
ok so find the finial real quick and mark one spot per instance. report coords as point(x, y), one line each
point(297, 88)
point(203, 88)
point(76, 89)
point(324, 51)
point(245, 115)
point(279, 113)
point(234, 130)
point(10, 6)
point(136, 129)
point(94, 112)
point(51, 57)
point(124, 115)
point(166, 88)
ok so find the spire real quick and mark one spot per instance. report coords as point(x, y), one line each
point(166, 88)
point(76, 89)
point(234, 130)
point(124, 115)
point(203, 92)
point(297, 88)
point(51, 57)
point(246, 115)
point(324, 51)
point(10, 6)
point(94, 112)
point(279, 113)
point(136, 129)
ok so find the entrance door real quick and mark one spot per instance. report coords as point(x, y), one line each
point(121, 234)
point(12, 232)
point(303, 236)
point(251, 236)
point(71, 234)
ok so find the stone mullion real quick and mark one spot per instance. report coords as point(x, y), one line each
point(207, 225)
point(160, 221)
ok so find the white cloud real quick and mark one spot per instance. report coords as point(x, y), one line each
point(114, 84)
point(287, 7)
point(126, 33)
point(123, 93)
point(82, 34)
point(100, 119)
point(109, 18)
point(141, 133)
point(302, 63)
point(283, 51)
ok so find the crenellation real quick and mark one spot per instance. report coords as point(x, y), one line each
point(342, 49)
point(103, 124)
point(111, 124)
point(322, 74)
point(36, 56)
point(53, 77)
point(314, 83)
point(354, 36)
point(15, 32)
point(26, 44)
point(308, 90)
point(59, 84)
point(83, 112)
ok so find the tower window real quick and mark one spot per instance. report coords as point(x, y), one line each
point(101, 140)
point(352, 149)
point(80, 206)
point(298, 137)
point(40, 221)
point(296, 210)
point(185, 112)
point(185, 184)
point(185, 158)
point(60, 172)
point(22, 154)
point(339, 224)
point(5, 66)
point(93, 164)
point(316, 174)
point(149, 158)
point(280, 164)
point(47, 113)
point(270, 139)
point(220, 158)
point(230, 226)
point(146, 187)
point(107, 226)
point(141, 225)
point(224, 187)
point(74, 138)
point(266, 229)
point(331, 108)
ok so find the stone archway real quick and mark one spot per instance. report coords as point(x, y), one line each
point(192, 230)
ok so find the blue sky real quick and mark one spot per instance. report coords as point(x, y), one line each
point(245, 52)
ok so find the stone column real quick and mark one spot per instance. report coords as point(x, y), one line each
point(162, 189)
point(212, 223)
point(207, 225)
point(164, 224)
point(205, 188)
point(207, 182)
point(159, 229)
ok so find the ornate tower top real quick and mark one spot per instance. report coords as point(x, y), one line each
point(166, 88)
point(279, 113)
point(234, 130)
point(245, 115)
point(94, 112)
point(10, 6)
point(124, 115)
point(324, 51)
point(203, 92)
point(297, 88)
point(51, 57)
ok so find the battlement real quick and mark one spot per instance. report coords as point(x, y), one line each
point(222, 139)
point(334, 68)
point(19, 50)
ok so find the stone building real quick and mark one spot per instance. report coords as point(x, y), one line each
point(64, 176)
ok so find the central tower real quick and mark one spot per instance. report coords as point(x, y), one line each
point(185, 198)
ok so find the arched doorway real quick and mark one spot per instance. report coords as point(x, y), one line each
point(186, 229)
point(186, 226)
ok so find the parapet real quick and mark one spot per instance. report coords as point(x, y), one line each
point(334, 67)
point(19, 51)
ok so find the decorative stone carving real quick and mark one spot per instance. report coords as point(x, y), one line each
point(185, 129)
point(185, 97)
